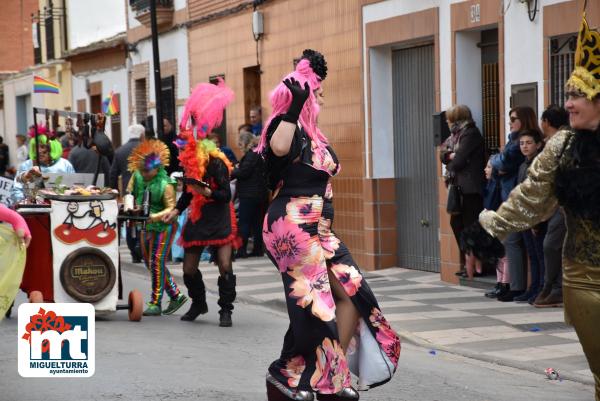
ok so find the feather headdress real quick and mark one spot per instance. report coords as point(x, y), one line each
point(194, 158)
point(205, 106)
point(149, 155)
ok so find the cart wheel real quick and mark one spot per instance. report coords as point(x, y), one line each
point(136, 304)
point(36, 297)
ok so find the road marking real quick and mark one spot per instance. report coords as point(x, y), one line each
point(435, 295)
point(400, 317)
point(524, 318)
point(473, 334)
point(261, 286)
point(404, 287)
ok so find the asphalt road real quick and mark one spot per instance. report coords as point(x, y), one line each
point(162, 358)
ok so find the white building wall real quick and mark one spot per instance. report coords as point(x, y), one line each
point(381, 104)
point(524, 49)
point(172, 45)
point(91, 20)
point(468, 73)
point(19, 86)
point(115, 80)
point(523, 63)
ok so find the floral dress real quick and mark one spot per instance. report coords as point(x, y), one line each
point(299, 239)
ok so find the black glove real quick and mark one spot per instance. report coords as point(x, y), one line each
point(299, 97)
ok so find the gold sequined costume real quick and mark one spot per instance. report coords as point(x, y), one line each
point(568, 172)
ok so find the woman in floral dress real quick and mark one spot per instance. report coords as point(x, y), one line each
point(336, 325)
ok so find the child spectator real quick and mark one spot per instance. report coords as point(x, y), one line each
point(492, 198)
point(531, 143)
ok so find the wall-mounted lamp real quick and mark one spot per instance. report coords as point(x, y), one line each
point(258, 28)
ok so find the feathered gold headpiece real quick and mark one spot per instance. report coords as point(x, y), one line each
point(149, 155)
point(586, 76)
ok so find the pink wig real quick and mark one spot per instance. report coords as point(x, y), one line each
point(206, 104)
point(281, 98)
point(41, 128)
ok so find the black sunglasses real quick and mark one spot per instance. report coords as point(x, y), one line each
point(513, 119)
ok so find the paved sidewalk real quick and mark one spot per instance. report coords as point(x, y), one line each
point(437, 315)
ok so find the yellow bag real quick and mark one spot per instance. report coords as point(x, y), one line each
point(12, 265)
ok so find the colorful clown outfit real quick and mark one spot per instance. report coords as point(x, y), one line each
point(211, 218)
point(300, 241)
point(157, 238)
point(567, 174)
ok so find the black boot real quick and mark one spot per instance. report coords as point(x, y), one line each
point(503, 289)
point(197, 292)
point(227, 295)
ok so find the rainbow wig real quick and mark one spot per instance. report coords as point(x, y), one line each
point(205, 105)
point(149, 155)
point(281, 98)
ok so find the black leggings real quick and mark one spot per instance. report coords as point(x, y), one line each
point(191, 259)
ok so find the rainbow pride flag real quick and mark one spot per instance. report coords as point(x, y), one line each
point(110, 105)
point(41, 85)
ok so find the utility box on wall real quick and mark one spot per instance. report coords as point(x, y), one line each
point(441, 131)
point(524, 95)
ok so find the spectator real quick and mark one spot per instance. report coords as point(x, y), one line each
point(255, 117)
point(531, 143)
point(4, 159)
point(244, 128)
point(213, 136)
point(463, 155)
point(85, 160)
point(170, 135)
point(50, 152)
point(118, 169)
point(176, 249)
point(554, 118)
point(22, 152)
point(491, 201)
point(252, 193)
point(506, 166)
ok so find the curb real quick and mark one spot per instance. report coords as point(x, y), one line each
point(407, 336)
point(415, 340)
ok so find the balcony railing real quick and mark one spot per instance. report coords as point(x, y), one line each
point(164, 11)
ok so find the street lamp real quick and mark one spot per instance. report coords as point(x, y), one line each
point(156, 61)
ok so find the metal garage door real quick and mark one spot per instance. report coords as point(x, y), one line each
point(415, 158)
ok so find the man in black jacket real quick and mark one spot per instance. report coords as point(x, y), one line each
point(119, 169)
point(85, 161)
point(170, 135)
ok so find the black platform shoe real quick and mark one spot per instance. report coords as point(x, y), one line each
point(347, 394)
point(278, 392)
